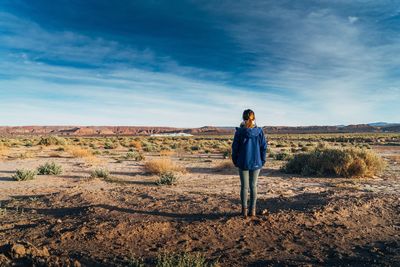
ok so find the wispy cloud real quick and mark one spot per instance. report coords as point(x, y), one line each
point(352, 19)
point(299, 64)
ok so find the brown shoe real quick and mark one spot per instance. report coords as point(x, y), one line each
point(244, 212)
point(252, 212)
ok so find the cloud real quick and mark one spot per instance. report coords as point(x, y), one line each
point(300, 65)
point(352, 19)
point(318, 58)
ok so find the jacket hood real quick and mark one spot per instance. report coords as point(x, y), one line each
point(249, 131)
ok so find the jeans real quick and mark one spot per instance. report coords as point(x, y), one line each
point(248, 178)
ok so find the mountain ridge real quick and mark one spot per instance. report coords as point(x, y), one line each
point(205, 130)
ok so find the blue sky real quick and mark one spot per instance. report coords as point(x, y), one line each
point(196, 63)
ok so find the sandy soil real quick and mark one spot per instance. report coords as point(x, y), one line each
point(73, 220)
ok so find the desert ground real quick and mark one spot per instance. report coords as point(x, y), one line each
point(127, 219)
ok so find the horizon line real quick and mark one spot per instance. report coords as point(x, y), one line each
point(176, 127)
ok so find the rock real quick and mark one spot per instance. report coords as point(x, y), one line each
point(77, 263)
point(264, 212)
point(44, 252)
point(4, 261)
point(17, 251)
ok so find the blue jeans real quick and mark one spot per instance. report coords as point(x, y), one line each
point(247, 178)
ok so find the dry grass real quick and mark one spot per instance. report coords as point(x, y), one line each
point(163, 165)
point(24, 155)
point(78, 152)
point(165, 153)
point(136, 144)
point(83, 153)
point(3, 150)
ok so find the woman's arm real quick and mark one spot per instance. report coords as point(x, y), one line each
point(235, 148)
point(263, 148)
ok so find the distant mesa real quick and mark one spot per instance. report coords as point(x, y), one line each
point(382, 124)
point(172, 134)
point(378, 127)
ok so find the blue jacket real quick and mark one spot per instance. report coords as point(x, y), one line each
point(249, 148)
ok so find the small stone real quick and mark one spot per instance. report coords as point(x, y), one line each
point(265, 212)
point(59, 221)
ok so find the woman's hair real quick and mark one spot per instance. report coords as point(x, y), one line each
point(249, 117)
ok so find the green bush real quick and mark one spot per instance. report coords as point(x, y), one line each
point(227, 153)
point(305, 148)
point(24, 175)
point(183, 260)
point(167, 178)
point(97, 152)
point(149, 147)
point(350, 162)
point(282, 156)
point(52, 140)
point(195, 148)
point(28, 143)
point(100, 173)
point(49, 169)
point(135, 262)
point(110, 145)
point(134, 155)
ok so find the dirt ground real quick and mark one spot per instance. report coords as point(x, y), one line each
point(72, 220)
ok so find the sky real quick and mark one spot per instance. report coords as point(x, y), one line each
point(196, 63)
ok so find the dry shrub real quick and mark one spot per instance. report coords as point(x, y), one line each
point(351, 162)
point(78, 152)
point(164, 153)
point(163, 165)
point(3, 150)
point(24, 155)
point(225, 165)
point(136, 144)
point(86, 154)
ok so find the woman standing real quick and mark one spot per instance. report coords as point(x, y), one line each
point(249, 150)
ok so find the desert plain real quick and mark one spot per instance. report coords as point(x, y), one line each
point(109, 207)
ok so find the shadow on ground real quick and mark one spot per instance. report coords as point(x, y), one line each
point(304, 202)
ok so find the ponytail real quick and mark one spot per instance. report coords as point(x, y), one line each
point(248, 118)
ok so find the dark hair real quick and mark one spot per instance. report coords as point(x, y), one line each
point(248, 117)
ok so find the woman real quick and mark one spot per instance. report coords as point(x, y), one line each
point(249, 150)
